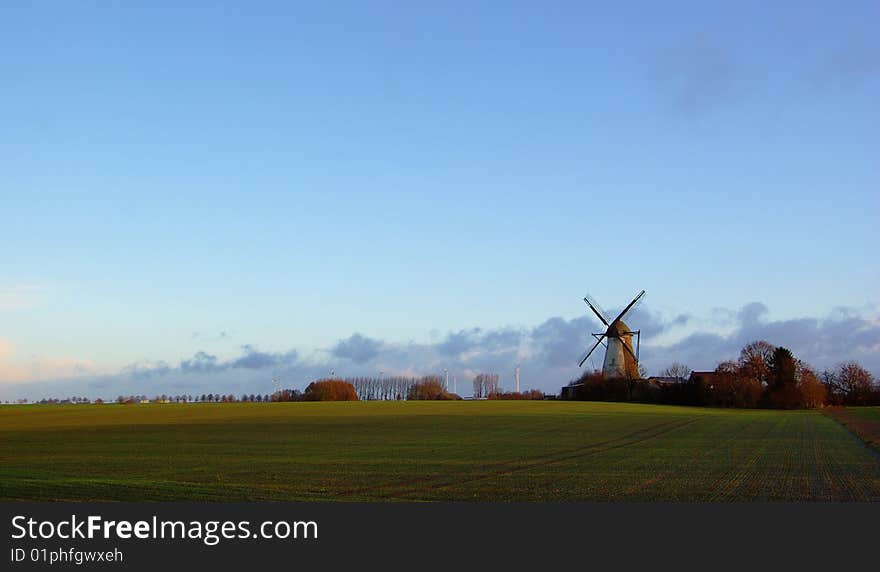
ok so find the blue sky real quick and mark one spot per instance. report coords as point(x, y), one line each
point(234, 177)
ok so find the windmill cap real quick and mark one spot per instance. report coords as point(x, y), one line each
point(618, 329)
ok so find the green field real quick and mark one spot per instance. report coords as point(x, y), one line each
point(425, 451)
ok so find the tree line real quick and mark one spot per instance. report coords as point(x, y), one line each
point(326, 389)
point(383, 388)
point(429, 387)
point(763, 375)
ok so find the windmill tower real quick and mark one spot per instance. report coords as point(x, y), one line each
point(620, 359)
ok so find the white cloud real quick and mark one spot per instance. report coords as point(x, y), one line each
point(16, 369)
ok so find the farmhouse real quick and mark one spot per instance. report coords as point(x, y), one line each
point(666, 380)
point(706, 377)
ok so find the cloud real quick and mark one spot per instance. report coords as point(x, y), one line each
point(558, 342)
point(457, 343)
point(253, 359)
point(547, 354)
point(464, 343)
point(201, 362)
point(146, 369)
point(822, 342)
point(9, 372)
point(752, 313)
point(357, 348)
point(17, 369)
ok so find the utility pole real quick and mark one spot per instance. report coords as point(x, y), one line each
point(517, 379)
point(446, 371)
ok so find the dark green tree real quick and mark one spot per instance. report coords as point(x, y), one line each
point(783, 369)
point(782, 381)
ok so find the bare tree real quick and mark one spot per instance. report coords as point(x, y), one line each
point(677, 369)
point(855, 382)
point(755, 360)
point(382, 388)
point(485, 384)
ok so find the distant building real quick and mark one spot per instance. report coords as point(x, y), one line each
point(666, 380)
point(705, 377)
point(570, 391)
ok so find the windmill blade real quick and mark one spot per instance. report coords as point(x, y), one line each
point(587, 354)
point(596, 308)
point(629, 306)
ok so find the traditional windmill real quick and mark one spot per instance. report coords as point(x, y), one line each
point(620, 359)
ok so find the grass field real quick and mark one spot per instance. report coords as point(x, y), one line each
point(421, 451)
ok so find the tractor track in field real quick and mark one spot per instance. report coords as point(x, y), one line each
point(394, 490)
point(820, 458)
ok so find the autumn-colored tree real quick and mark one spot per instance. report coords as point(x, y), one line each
point(811, 388)
point(330, 390)
point(428, 388)
point(593, 386)
point(751, 392)
point(855, 382)
point(722, 389)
